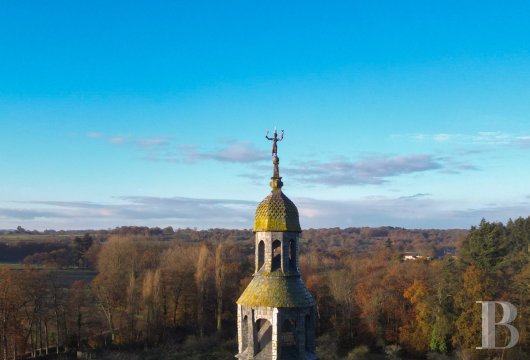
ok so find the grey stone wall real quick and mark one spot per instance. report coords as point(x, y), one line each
point(296, 340)
point(300, 336)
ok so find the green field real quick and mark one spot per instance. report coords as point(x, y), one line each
point(39, 238)
point(65, 277)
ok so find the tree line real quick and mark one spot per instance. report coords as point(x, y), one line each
point(154, 290)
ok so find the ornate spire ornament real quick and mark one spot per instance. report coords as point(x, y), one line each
point(276, 180)
point(275, 141)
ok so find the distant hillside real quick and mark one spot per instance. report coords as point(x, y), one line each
point(17, 245)
point(429, 242)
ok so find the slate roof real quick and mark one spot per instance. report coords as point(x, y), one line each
point(276, 291)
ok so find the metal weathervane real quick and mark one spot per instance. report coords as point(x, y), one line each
point(274, 140)
point(276, 180)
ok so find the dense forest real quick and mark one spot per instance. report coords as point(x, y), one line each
point(151, 293)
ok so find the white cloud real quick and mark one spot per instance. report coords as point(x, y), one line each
point(163, 148)
point(442, 137)
point(239, 152)
point(176, 211)
point(493, 138)
point(481, 138)
point(413, 211)
point(522, 141)
point(374, 170)
point(154, 142)
point(117, 140)
point(235, 152)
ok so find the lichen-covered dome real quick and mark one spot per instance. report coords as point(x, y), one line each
point(277, 213)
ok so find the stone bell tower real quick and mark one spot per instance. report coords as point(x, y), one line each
point(276, 313)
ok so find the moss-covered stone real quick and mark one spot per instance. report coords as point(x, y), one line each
point(276, 292)
point(277, 213)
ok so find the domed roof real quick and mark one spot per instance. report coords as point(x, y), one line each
point(277, 213)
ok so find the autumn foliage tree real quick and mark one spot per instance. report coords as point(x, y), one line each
point(203, 280)
point(116, 267)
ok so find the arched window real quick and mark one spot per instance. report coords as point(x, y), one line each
point(292, 255)
point(261, 254)
point(276, 255)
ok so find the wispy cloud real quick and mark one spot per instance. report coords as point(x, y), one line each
point(240, 152)
point(442, 137)
point(69, 204)
point(407, 211)
point(117, 140)
point(413, 211)
point(375, 170)
point(176, 211)
point(415, 196)
point(26, 214)
point(164, 148)
point(482, 138)
point(493, 138)
point(456, 164)
point(154, 142)
point(114, 139)
point(522, 141)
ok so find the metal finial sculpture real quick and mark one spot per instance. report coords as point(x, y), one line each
point(276, 180)
point(274, 140)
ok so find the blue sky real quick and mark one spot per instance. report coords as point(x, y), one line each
point(411, 114)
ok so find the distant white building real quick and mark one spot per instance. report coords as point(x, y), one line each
point(408, 257)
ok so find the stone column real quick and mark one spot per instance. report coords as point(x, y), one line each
point(252, 334)
point(276, 348)
point(239, 329)
point(256, 253)
point(285, 253)
point(267, 239)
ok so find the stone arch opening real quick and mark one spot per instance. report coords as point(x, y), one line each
point(292, 254)
point(244, 332)
point(261, 255)
point(276, 255)
point(264, 332)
